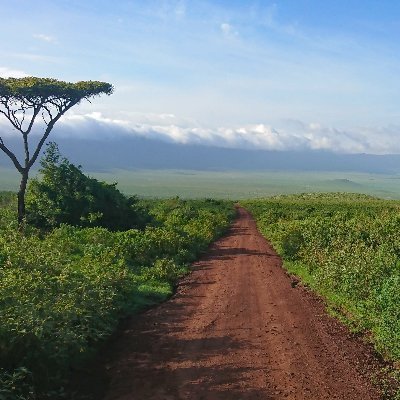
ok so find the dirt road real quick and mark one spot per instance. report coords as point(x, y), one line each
point(237, 329)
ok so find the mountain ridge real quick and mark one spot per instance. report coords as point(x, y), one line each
point(143, 153)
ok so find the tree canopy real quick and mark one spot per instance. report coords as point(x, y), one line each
point(24, 100)
point(36, 91)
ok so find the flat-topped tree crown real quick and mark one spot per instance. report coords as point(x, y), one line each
point(21, 95)
point(23, 100)
point(42, 89)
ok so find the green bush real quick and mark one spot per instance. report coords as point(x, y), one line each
point(291, 244)
point(63, 292)
point(64, 194)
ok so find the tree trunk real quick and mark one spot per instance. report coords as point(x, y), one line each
point(21, 197)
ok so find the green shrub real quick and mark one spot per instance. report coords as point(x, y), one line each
point(62, 292)
point(291, 244)
point(63, 194)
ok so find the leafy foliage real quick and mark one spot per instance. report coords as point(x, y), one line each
point(65, 195)
point(41, 91)
point(63, 292)
point(23, 100)
point(7, 198)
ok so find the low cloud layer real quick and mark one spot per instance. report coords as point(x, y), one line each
point(289, 135)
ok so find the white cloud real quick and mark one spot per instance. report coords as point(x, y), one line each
point(180, 9)
point(228, 30)
point(45, 38)
point(6, 72)
point(269, 18)
point(290, 135)
point(167, 10)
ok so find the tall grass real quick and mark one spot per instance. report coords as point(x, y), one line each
point(348, 248)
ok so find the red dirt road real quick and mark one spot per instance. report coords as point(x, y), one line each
point(237, 329)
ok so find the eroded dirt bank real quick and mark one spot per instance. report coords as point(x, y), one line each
point(237, 329)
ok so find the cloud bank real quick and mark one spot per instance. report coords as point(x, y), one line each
point(289, 135)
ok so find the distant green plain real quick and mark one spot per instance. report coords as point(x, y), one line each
point(234, 184)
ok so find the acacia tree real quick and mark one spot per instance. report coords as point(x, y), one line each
point(26, 101)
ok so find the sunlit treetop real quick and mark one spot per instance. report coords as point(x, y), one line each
point(37, 91)
point(23, 99)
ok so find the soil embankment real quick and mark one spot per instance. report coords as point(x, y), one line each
point(237, 329)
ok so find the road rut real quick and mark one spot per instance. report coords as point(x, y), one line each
point(238, 328)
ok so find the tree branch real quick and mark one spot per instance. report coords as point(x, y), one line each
point(35, 113)
point(44, 106)
point(7, 115)
point(47, 133)
point(26, 149)
point(11, 155)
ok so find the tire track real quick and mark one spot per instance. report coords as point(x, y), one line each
point(237, 329)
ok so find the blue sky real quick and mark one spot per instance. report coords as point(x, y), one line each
point(283, 74)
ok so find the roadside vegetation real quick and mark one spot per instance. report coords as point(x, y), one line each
point(87, 257)
point(346, 247)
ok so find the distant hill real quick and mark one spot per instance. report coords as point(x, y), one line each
point(142, 153)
